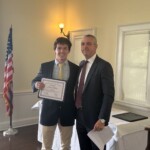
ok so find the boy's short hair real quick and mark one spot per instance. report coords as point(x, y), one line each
point(62, 40)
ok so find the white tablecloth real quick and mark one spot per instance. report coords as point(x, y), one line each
point(127, 136)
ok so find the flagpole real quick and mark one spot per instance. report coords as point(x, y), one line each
point(10, 121)
point(8, 84)
point(10, 131)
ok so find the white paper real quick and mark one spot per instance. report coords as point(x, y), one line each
point(100, 138)
point(37, 105)
point(54, 89)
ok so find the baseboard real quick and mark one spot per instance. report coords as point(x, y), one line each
point(19, 123)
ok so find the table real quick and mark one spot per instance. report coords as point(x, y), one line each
point(148, 139)
point(127, 135)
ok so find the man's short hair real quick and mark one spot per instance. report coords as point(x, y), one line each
point(92, 36)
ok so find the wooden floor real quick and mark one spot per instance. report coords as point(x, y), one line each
point(25, 139)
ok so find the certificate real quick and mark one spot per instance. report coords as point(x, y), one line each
point(54, 89)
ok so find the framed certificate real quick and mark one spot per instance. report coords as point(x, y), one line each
point(54, 89)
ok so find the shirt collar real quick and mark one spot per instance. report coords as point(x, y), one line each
point(56, 62)
point(91, 60)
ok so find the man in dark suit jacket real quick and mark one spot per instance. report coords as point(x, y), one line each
point(61, 113)
point(97, 97)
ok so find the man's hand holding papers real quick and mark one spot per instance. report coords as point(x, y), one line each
point(100, 138)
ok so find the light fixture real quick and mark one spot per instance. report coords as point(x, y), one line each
point(61, 26)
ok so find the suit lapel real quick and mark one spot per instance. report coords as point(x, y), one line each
point(49, 70)
point(91, 71)
point(71, 70)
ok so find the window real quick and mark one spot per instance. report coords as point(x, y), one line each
point(133, 65)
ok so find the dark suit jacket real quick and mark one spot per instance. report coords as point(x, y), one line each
point(54, 110)
point(98, 93)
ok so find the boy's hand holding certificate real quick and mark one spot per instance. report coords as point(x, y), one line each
point(54, 89)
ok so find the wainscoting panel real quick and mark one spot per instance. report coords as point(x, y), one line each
point(23, 114)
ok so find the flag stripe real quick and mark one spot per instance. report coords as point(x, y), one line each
point(8, 76)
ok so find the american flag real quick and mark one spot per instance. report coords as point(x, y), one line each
point(8, 76)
